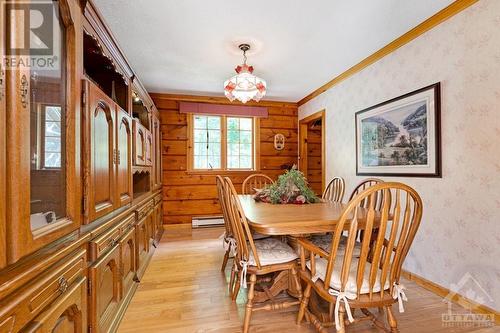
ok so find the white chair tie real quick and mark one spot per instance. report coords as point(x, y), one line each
point(244, 267)
point(229, 243)
point(341, 296)
point(399, 294)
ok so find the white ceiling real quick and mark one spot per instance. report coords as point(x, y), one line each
point(190, 46)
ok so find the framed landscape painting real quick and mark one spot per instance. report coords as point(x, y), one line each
point(401, 137)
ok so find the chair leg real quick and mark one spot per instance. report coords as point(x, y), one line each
point(296, 280)
point(236, 288)
point(392, 320)
point(249, 307)
point(304, 303)
point(224, 261)
point(231, 280)
point(342, 320)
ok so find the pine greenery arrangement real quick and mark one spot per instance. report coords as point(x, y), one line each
point(291, 187)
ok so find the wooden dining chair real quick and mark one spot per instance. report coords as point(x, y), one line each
point(229, 242)
point(334, 191)
point(253, 182)
point(370, 279)
point(257, 258)
point(366, 183)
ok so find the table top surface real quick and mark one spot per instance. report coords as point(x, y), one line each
point(290, 219)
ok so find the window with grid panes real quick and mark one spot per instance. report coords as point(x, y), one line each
point(223, 143)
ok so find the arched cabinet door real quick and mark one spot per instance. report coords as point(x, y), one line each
point(124, 157)
point(142, 246)
point(140, 143)
point(105, 293)
point(68, 314)
point(127, 254)
point(149, 149)
point(42, 138)
point(100, 153)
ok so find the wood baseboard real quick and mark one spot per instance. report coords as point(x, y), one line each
point(457, 298)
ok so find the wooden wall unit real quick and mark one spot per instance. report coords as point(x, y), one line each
point(70, 225)
point(3, 156)
point(187, 194)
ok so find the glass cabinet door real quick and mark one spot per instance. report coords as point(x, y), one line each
point(3, 248)
point(42, 178)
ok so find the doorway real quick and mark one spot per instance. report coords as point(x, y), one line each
point(312, 150)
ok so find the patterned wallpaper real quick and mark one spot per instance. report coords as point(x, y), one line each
point(460, 231)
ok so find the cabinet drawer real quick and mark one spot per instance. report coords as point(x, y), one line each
point(158, 199)
point(110, 238)
point(22, 306)
point(145, 209)
point(67, 314)
point(105, 290)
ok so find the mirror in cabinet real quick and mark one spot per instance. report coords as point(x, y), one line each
point(42, 171)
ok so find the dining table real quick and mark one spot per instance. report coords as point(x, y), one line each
point(292, 221)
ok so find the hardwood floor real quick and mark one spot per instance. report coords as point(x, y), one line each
point(183, 291)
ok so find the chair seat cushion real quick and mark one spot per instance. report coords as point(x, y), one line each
point(256, 235)
point(350, 288)
point(325, 242)
point(272, 251)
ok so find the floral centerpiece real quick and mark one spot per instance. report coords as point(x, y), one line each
point(290, 188)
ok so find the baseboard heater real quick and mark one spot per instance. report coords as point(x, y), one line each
point(207, 221)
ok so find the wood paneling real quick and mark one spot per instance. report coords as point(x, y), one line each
point(312, 150)
point(188, 194)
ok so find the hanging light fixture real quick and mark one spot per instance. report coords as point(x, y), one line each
point(244, 86)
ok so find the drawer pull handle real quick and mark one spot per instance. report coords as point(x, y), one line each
point(112, 242)
point(63, 284)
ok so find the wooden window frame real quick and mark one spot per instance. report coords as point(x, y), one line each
point(255, 145)
point(42, 116)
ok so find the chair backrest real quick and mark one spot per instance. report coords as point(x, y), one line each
point(256, 181)
point(223, 204)
point(366, 183)
point(389, 233)
point(241, 230)
point(334, 191)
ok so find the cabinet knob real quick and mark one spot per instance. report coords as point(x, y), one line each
point(63, 284)
point(2, 73)
point(112, 242)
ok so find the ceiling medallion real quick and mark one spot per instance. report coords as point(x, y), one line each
point(244, 86)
